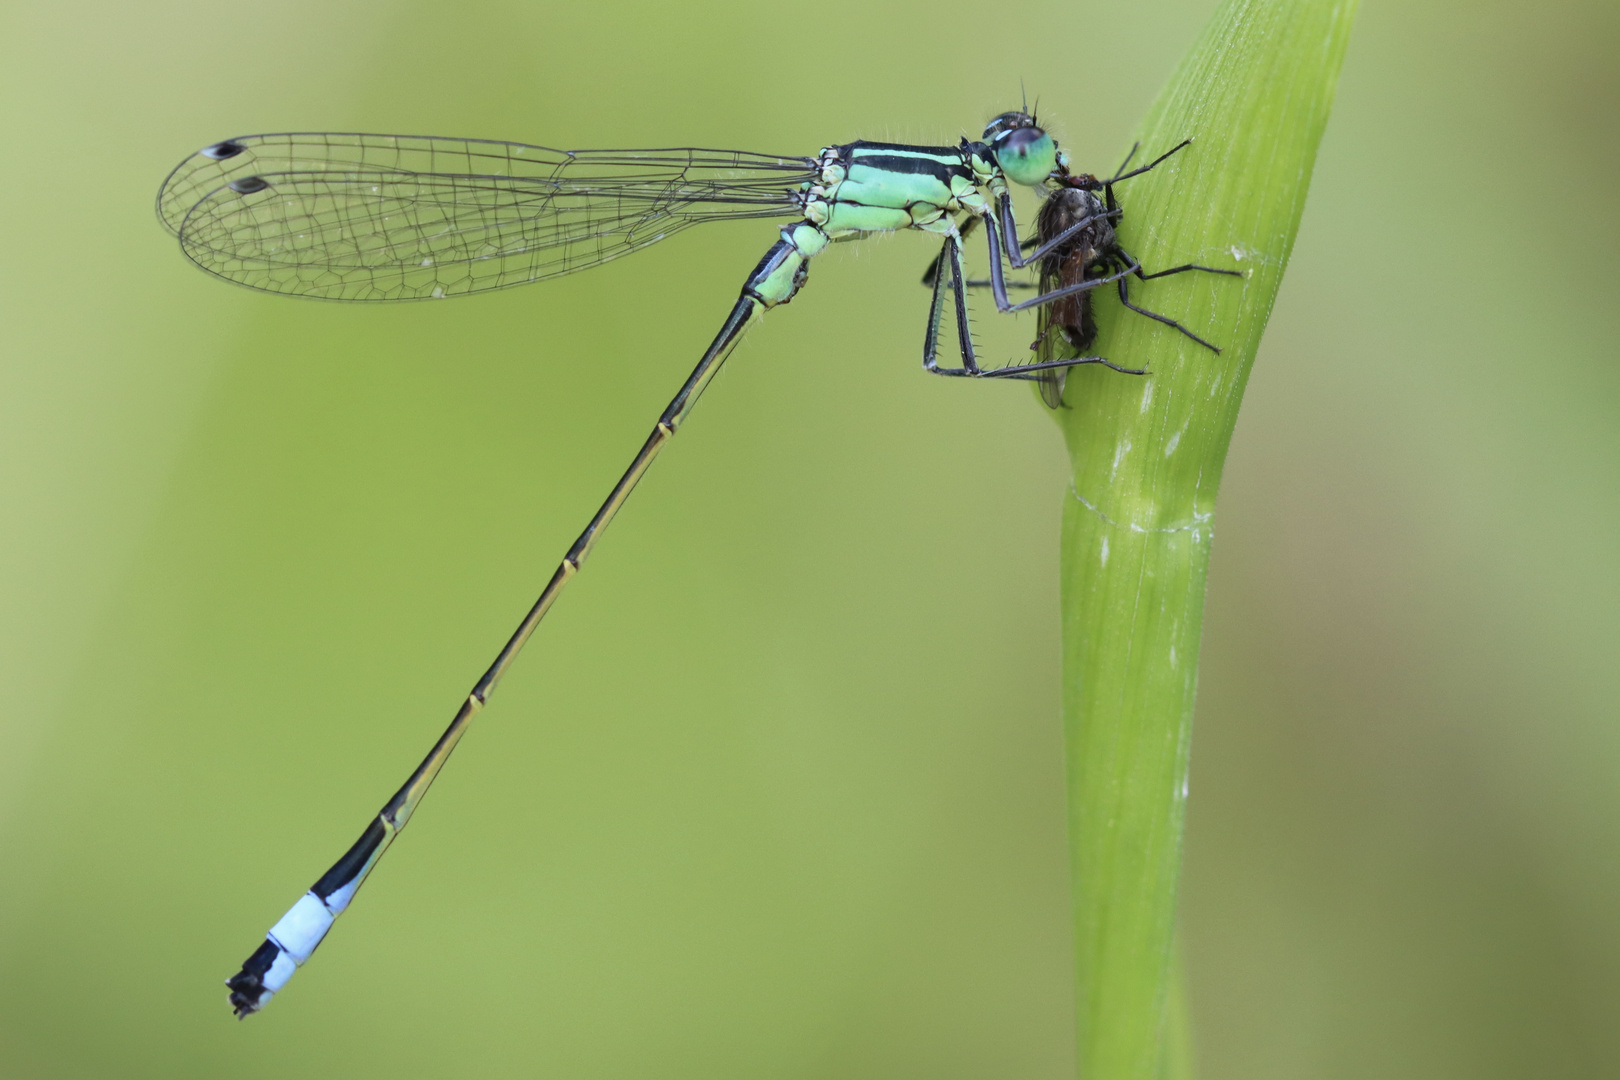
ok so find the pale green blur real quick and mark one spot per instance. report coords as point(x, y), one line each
point(777, 791)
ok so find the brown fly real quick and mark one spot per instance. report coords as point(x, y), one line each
point(1068, 326)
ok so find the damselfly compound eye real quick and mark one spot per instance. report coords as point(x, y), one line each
point(221, 151)
point(249, 184)
point(1026, 155)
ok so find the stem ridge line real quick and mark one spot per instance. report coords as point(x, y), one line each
point(1197, 519)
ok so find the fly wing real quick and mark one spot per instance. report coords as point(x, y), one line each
point(405, 217)
point(1048, 339)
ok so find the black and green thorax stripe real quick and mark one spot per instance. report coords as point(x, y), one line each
point(881, 187)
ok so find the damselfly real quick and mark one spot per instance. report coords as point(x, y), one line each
point(393, 217)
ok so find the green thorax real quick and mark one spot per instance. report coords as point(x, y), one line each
point(881, 187)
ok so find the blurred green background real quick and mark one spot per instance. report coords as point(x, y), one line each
point(777, 790)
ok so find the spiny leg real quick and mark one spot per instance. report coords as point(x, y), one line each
point(1034, 346)
point(294, 938)
point(967, 227)
point(951, 259)
point(932, 273)
point(1032, 371)
point(949, 265)
point(986, 283)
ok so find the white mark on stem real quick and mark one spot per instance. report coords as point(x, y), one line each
point(1190, 526)
point(1119, 455)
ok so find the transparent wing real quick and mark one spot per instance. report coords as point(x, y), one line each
point(404, 217)
point(1048, 336)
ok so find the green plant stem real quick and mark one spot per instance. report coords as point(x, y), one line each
point(1254, 93)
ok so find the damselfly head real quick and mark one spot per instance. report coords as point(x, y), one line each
point(1007, 123)
point(1025, 153)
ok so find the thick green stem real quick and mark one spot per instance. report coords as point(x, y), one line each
point(1254, 94)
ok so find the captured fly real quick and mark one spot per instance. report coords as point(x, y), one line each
point(1090, 251)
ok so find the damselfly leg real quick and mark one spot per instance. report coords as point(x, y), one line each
point(949, 264)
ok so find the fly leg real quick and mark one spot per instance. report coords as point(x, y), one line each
point(1125, 296)
point(1121, 174)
